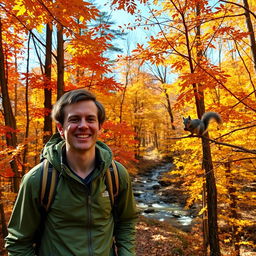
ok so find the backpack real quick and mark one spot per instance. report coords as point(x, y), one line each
point(50, 177)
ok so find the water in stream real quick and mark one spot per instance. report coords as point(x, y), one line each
point(151, 203)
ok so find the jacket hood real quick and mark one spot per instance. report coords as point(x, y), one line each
point(52, 151)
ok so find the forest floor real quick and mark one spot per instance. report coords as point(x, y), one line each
point(157, 238)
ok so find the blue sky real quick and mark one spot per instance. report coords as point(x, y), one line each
point(122, 18)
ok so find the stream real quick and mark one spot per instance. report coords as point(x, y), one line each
point(152, 204)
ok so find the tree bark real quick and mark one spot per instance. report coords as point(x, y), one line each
point(127, 73)
point(47, 85)
point(60, 62)
point(252, 35)
point(233, 209)
point(2, 217)
point(27, 111)
point(211, 199)
point(169, 108)
point(205, 221)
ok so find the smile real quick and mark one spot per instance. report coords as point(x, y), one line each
point(83, 136)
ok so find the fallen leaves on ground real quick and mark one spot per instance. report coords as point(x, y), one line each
point(160, 238)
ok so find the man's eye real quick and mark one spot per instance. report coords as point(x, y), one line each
point(91, 120)
point(73, 120)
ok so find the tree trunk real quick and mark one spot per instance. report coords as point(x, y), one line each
point(2, 217)
point(161, 75)
point(169, 108)
point(47, 85)
point(60, 62)
point(24, 166)
point(233, 209)
point(156, 142)
point(205, 221)
point(127, 73)
point(9, 119)
point(211, 199)
point(16, 88)
point(211, 189)
point(252, 36)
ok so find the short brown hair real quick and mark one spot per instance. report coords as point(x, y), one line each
point(72, 97)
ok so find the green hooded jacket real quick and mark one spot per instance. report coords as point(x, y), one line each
point(80, 220)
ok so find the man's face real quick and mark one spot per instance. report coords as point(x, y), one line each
point(81, 126)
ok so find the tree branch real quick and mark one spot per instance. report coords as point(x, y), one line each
point(238, 129)
point(239, 5)
point(25, 27)
point(244, 150)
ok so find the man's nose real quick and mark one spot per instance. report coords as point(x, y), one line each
point(83, 124)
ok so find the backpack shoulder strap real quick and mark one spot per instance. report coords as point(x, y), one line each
point(49, 179)
point(112, 182)
point(48, 182)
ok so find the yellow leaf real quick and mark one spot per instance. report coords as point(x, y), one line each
point(202, 210)
point(20, 8)
point(70, 49)
point(81, 18)
point(40, 28)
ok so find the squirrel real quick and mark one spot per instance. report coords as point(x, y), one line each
point(199, 127)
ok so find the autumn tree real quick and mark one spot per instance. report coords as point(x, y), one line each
point(9, 119)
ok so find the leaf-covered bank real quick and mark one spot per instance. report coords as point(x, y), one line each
point(160, 238)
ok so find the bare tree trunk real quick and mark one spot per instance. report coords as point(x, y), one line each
point(60, 62)
point(47, 85)
point(9, 119)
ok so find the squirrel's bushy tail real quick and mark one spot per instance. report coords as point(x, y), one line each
point(208, 116)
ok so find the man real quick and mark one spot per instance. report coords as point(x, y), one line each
point(80, 220)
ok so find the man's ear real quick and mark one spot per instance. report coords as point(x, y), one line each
point(60, 129)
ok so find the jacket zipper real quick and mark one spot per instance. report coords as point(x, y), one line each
point(89, 221)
